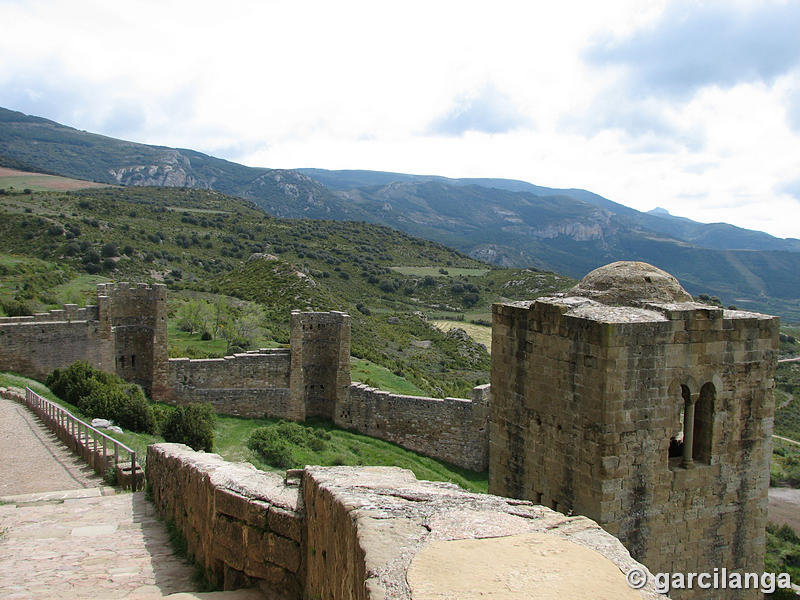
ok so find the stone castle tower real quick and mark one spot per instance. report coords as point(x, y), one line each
point(137, 317)
point(625, 401)
point(320, 363)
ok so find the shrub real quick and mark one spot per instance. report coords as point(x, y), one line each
point(102, 402)
point(276, 450)
point(109, 250)
point(161, 413)
point(103, 395)
point(133, 410)
point(78, 381)
point(15, 308)
point(192, 425)
point(278, 444)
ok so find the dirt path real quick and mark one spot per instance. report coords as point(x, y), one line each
point(34, 460)
point(784, 507)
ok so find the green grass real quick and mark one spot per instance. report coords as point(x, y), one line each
point(436, 271)
point(380, 377)
point(81, 290)
point(783, 553)
point(785, 466)
point(182, 343)
point(347, 448)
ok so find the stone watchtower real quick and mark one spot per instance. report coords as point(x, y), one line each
point(625, 401)
point(137, 314)
point(319, 377)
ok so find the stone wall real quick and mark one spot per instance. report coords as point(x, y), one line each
point(252, 384)
point(35, 345)
point(589, 402)
point(364, 533)
point(243, 526)
point(451, 429)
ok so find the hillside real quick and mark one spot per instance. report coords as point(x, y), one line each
point(208, 247)
point(504, 222)
point(573, 231)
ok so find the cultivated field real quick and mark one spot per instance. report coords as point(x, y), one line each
point(39, 182)
point(480, 333)
point(437, 271)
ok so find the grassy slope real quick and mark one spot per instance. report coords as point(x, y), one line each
point(345, 447)
point(198, 242)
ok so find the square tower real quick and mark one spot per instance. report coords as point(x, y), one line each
point(137, 314)
point(625, 401)
point(319, 376)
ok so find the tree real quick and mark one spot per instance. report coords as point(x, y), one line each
point(242, 327)
point(194, 316)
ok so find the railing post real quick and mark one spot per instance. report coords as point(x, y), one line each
point(133, 471)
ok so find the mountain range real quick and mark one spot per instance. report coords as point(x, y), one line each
point(500, 221)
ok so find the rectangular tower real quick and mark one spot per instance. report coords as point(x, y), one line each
point(320, 363)
point(654, 420)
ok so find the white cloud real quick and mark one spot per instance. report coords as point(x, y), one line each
point(703, 129)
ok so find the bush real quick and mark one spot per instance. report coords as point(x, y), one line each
point(276, 450)
point(78, 381)
point(133, 410)
point(109, 250)
point(161, 413)
point(278, 444)
point(102, 395)
point(192, 425)
point(15, 308)
point(102, 402)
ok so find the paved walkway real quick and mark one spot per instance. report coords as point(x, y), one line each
point(34, 460)
point(63, 535)
point(87, 546)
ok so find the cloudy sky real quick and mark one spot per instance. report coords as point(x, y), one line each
point(691, 106)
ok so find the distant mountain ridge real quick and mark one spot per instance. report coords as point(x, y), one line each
point(502, 221)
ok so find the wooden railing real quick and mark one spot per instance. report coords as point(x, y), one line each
point(96, 447)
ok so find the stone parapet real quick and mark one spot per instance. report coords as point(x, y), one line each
point(243, 526)
point(348, 533)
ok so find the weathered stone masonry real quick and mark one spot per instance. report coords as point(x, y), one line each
point(126, 333)
point(358, 533)
point(654, 419)
point(621, 400)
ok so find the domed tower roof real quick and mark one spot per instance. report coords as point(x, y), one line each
point(630, 283)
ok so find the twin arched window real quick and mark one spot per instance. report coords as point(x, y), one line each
point(693, 441)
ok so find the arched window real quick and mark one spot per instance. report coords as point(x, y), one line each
point(678, 435)
point(691, 440)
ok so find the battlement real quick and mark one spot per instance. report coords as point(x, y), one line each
point(124, 288)
point(70, 312)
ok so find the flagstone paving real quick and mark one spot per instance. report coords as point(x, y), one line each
point(64, 535)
